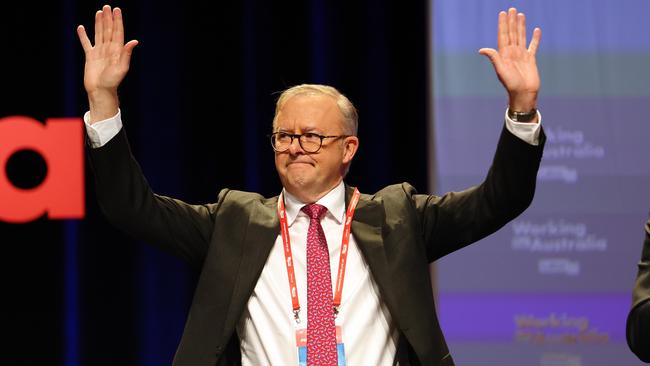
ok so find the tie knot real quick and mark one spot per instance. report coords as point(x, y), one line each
point(314, 210)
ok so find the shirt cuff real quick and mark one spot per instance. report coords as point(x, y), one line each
point(526, 131)
point(101, 132)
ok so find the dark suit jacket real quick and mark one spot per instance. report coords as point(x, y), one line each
point(398, 231)
point(638, 320)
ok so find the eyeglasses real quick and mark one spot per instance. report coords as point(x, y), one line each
point(310, 142)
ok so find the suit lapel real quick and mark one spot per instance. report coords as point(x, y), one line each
point(366, 228)
point(367, 231)
point(261, 232)
point(263, 229)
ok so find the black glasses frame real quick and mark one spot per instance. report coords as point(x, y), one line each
point(300, 142)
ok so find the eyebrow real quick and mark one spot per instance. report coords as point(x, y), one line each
point(308, 129)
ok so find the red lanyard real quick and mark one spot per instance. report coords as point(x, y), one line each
point(345, 241)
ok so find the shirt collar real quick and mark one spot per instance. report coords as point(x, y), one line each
point(334, 201)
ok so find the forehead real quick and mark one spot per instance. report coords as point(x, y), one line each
point(309, 111)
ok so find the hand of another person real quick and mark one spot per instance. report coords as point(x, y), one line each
point(515, 64)
point(107, 62)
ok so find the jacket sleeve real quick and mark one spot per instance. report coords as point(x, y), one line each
point(638, 320)
point(457, 219)
point(128, 203)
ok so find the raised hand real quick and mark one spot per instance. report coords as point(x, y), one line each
point(107, 62)
point(515, 64)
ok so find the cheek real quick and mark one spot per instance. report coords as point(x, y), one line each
point(279, 166)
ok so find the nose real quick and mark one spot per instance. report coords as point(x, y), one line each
point(294, 147)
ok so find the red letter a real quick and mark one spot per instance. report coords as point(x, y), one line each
point(60, 143)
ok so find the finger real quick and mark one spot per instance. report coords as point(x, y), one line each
point(127, 51)
point(534, 43)
point(118, 32)
point(502, 32)
point(521, 29)
point(493, 56)
point(512, 26)
point(99, 27)
point(108, 23)
point(83, 38)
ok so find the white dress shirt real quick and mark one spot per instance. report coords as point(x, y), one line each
point(267, 327)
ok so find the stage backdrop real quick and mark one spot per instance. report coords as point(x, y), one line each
point(197, 106)
point(553, 287)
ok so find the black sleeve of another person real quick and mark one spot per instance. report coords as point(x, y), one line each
point(638, 320)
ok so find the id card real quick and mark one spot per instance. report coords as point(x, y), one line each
point(301, 343)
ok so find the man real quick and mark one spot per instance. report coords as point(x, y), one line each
point(638, 320)
point(267, 265)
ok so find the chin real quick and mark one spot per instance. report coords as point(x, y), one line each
point(299, 174)
point(299, 181)
point(302, 184)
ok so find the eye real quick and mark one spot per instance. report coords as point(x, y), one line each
point(311, 137)
point(282, 136)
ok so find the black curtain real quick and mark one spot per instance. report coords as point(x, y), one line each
point(197, 105)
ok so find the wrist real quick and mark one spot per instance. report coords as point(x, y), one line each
point(99, 95)
point(523, 102)
point(103, 104)
point(517, 116)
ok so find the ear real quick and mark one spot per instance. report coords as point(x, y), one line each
point(350, 146)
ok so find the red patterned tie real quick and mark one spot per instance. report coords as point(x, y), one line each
point(321, 331)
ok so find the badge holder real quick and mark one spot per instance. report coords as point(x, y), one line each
point(301, 342)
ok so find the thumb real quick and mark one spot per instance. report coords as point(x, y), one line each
point(492, 55)
point(127, 51)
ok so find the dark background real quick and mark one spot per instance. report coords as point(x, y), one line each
point(197, 105)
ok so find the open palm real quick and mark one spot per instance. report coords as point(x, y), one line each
point(515, 65)
point(107, 62)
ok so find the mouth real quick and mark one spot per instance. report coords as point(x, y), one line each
point(299, 163)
